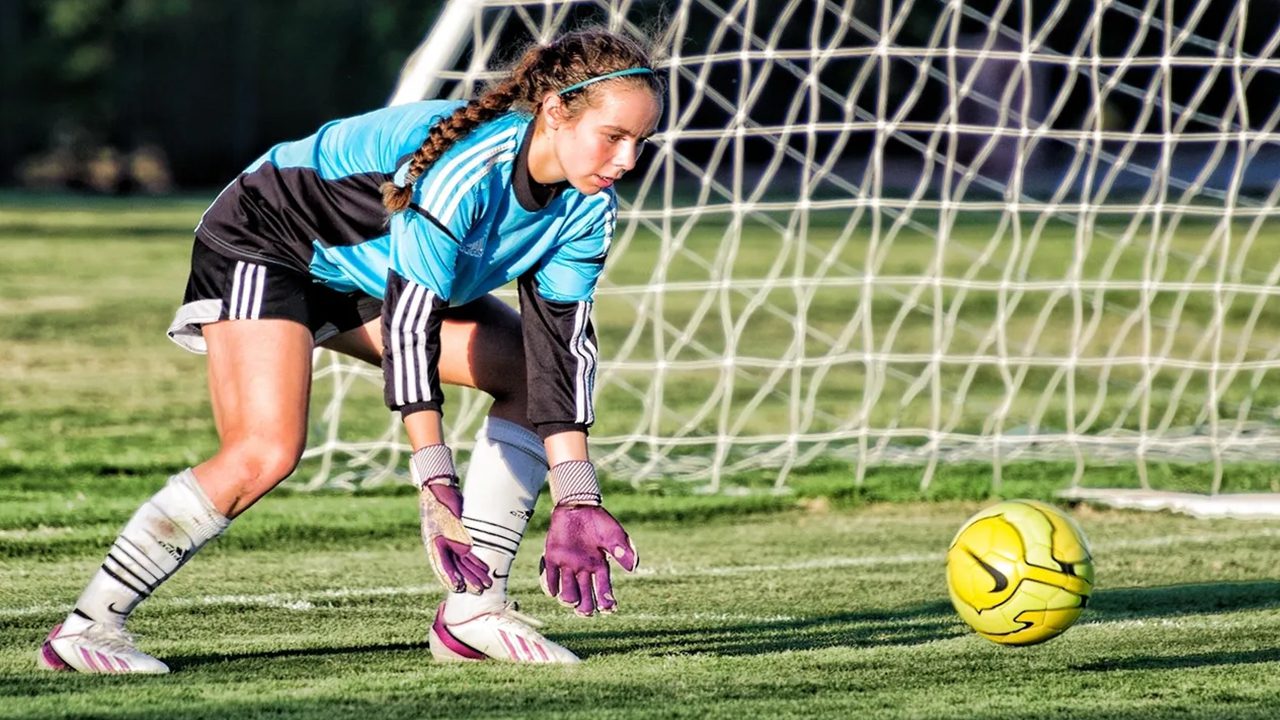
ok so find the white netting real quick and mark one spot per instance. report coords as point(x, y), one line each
point(917, 232)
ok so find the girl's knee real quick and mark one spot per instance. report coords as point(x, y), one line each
point(259, 464)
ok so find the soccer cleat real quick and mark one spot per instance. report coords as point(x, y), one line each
point(95, 648)
point(505, 635)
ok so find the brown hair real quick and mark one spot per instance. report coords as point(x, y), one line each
point(541, 70)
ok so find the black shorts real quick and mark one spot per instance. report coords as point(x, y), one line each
point(223, 288)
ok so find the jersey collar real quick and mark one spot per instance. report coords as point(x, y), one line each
point(532, 195)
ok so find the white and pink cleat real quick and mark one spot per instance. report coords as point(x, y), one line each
point(504, 634)
point(81, 645)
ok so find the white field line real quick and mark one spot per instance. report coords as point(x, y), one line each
point(827, 563)
point(834, 563)
point(284, 601)
point(1190, 622)
point(38, 532)
point(309, 600)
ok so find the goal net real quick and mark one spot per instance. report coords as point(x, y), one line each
point(916, 232)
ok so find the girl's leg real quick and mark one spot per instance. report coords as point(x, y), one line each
point(260, 383)
point(507, 470)
point(259, 379)
point(482, 347)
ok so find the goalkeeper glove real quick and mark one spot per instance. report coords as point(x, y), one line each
point(574, 568)
point(440, 504)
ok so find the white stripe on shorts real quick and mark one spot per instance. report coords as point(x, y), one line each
point(259, 290)
point(247, 290)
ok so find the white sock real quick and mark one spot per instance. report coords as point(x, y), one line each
point(508, 469)
point(160, 537)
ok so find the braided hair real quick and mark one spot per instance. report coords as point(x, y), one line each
point(541, 70)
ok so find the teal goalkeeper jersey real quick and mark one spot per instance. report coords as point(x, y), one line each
point(474, 230)
point(477, 222)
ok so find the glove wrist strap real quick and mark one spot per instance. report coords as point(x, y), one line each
point(432, 465)
point(574, 482)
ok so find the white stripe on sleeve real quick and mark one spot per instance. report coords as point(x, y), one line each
point(421, 381)
point(397, 352)
point(412, 298)
point(410, 358)
point(584, 375)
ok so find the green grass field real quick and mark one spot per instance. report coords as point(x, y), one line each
point(826, 602)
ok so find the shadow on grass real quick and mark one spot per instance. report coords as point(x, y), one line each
point(925, 623)
point(1171, 601)
point(192, 662)
point(911, 626)
point(1176, 662)
point(1188, 599)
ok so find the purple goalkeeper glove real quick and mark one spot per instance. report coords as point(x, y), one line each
point(440, 504)
point(574, 568)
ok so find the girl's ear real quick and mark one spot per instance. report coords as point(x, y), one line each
point(552, 109)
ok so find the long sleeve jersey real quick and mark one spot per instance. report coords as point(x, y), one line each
point(476, 223)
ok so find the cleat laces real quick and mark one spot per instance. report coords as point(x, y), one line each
point(113, 639)
point(511, 611)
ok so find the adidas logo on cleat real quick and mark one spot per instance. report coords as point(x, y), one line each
point(505, 635)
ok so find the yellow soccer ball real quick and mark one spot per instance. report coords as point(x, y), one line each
point(1020, 572)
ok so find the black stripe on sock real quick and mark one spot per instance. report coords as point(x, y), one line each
point(137, 564)
point(495, 542)
point(151, 586)
point(493, 546)
point(126, 583)
point(143, 553)
point(471, 523)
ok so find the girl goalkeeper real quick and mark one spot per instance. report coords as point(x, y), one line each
point(381, 236)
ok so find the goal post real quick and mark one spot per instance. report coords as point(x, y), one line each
point(921, 233)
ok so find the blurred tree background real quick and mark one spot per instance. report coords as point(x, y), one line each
point(153, 95)
point(125, 95)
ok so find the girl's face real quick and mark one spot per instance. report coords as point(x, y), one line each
point(594, 149)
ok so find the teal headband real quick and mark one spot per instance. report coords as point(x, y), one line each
point(606, 76)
